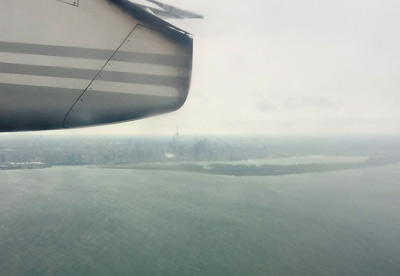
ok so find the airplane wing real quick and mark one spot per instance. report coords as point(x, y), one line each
point(70, 63)
point(165, 11)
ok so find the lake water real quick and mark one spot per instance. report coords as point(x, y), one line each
point(81, 221)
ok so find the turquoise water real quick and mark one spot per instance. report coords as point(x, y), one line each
point(80, 221)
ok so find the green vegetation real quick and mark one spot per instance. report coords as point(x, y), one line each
point(262, 170)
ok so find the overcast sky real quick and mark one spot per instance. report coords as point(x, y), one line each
point(286, 67)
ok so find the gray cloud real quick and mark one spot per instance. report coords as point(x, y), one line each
point(310, 101)
point(265, 106)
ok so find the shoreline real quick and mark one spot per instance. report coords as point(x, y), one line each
point(257, 170)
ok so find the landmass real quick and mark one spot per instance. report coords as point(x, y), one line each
point(260, 170)
point(223, 155)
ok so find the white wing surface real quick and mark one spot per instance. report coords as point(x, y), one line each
point(79, 63)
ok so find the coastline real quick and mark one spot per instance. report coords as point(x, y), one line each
point(220, 168)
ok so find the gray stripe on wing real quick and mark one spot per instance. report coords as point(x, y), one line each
point(72, 73)
point(100, 54)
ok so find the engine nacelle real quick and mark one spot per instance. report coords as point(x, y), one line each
point(70, 64)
